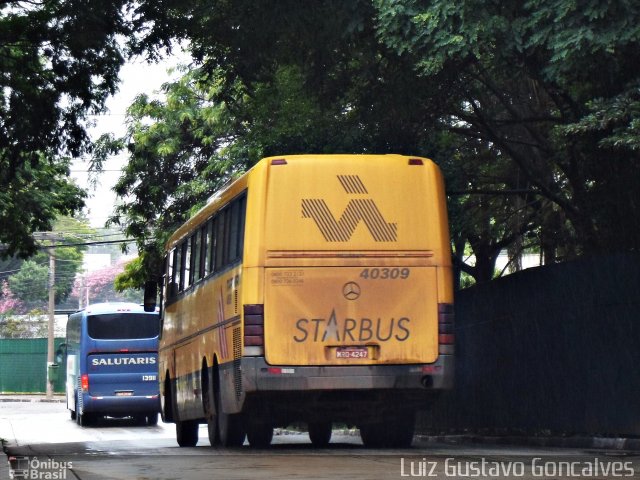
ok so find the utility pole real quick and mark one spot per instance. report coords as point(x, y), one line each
point(52, 307)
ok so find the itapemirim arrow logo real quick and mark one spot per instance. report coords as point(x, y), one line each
point(357, 210)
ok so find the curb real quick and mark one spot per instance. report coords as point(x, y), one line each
point(31, 399)
point(617, 444)
point(4, 462)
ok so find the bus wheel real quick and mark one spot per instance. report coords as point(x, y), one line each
point(373, 435)
point(230, 426)
point(402, 431)
point(166, 402)
point(396, 432)
point(76, 414)
point(86, 419)
point(209, 410)
point(72, 414)
point(187, 433)
point(152, 418)
point(140, 420)
point(320, 433)
point(259, 434)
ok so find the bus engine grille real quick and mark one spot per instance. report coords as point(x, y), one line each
point(237, 356)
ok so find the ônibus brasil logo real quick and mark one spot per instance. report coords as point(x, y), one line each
point(357, 210)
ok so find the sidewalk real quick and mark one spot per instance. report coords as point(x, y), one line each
point(23, 398)
point(4, 467)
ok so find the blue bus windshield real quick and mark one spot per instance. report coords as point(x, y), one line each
point(122, 326)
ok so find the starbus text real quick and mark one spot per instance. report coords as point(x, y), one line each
point(352, 329)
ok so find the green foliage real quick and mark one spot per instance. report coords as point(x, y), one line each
point(31, 200)
point(320, 82)
point(59, 60)
point(132, 277)
point(531, 108)
point(177, 159)
point(30, 284)
point(616, 120)
point(550, 87)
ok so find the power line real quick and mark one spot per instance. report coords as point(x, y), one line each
point(105, 242)
point(85, 244)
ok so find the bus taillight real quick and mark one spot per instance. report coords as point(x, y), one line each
point(254, 325)
point(446, 329)
point(84, 381)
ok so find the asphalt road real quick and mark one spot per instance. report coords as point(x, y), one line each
point(46, 443)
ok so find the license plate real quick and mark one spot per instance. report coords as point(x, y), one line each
point(352, 352)
point(124, 394)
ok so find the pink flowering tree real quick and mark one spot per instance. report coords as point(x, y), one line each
point(9, 304)
point(12, 318)
point(98, 286)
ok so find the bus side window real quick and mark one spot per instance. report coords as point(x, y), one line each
point(195, 258)
point(219, 239)
point(172, 286)
point(243, 212)
point(211, 244)
point(202, 251)
point(233, 231)
point(184, 265)
point(177, 269)
point(61, 353)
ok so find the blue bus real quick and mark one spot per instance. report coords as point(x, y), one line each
point(112, 363)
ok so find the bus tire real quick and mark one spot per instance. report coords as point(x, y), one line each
point(83, 419)
point(77, 410)
point(396, 432)
point(152, 418)
point(259, 434)
point(320, 433)
point(230, 426)
point(208, 404)
point(140, 420)
point(372, 435)
point(86, 419)
point(72, 414)
point(401, 433)
point(187, 433)
point(166, 401)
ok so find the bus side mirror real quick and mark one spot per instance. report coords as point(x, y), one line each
point(150, 294)
point(61, 352)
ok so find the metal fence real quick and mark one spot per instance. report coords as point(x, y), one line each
point(550, 349)
point(23, 366)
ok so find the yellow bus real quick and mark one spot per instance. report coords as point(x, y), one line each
point(313, 289)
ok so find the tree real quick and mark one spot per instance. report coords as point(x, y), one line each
point(59, 61)
point(98, 287)
point(30, 284)
point(29, 280)
point(510, 99)
point(8, 302)
point(331, 89)
point(550, 85)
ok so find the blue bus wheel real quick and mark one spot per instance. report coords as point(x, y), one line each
point(152, 418)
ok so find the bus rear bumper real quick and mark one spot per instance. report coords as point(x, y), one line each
point(260, 376)
point(121, 405)
point(350, 394)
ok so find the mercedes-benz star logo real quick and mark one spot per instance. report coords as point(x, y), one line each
point(351, 290)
